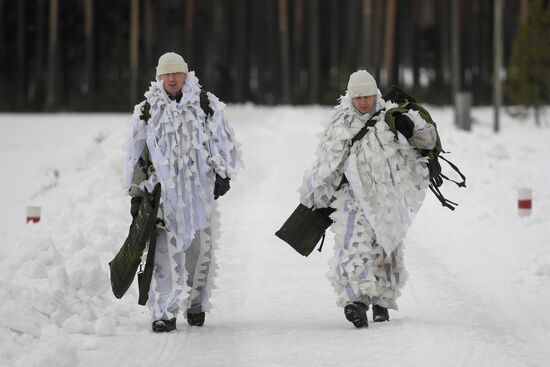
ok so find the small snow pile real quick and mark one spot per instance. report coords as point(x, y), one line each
point(55, 280)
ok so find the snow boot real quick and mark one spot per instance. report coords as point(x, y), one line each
point(195, 319)
point(380, 314)
point(356, 313)
point(164, 326)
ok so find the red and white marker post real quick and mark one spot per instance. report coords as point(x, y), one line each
point(525, 198)
point(33, 214)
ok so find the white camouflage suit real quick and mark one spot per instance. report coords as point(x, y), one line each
point(185, 152)
point(387, 183)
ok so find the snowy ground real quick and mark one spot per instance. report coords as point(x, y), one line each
point(478, 292)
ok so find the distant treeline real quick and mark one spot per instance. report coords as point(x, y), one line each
point(100, 55)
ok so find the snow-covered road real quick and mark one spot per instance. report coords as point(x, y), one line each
point(479, 278)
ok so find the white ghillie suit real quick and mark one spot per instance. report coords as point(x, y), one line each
point(387, 179)
point(186, 153)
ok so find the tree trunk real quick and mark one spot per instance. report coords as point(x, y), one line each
point(314, 51)
point(334, 41)
point(37, 83)
point(189, 28)
point(497, 86)
point(87, 86)
point(389, 39)
point(51, 98)
point(255, 55)
point(352, 37)
point(270, 72)
point(366, 47)
point(444, 42)
point(455, 45)
point(134, 50)
point(297, 50)
point(239, 60)
point(378, 39)
point(524, 11)
point(284, 51)
point(21, 67)
point(218, 55)
point(149, 36)
point(3, 79)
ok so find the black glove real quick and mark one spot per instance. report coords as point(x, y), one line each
point(135, 203)
point(403, 124)
point(221, 186)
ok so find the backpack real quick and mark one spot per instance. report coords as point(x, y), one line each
point(405, 103)
point(203, 100)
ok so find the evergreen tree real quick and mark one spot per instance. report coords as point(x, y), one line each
point(528, 81)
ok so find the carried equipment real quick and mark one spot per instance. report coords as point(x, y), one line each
point(125, 264)
point(405, 103)
point(307, 226)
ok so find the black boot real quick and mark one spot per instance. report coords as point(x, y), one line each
point(195, 319)
point(380, 314)
point(164, 326)
point(356, 313)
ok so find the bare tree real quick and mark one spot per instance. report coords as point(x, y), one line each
point(314, 51)
point(51, 98)
point(366, 47)
point(389, 43)
point(21, 28)
point(87, 85)
point(149, 32)
point(134, 49)
point(444, 42)
point(189, 28)
point(378, 40)
point(284, 51)
point(497, 36)
point(455, 45)
point(37, 84)
point(524, 11)
point(334, 40)
point(217, 48)
point(239, 59)
point(297, 49)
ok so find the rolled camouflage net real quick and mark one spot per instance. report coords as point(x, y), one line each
point(124, 265)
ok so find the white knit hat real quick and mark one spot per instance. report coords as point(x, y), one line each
point(170, 63)
point(361, 84)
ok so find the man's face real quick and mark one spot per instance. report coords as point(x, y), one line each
point(364, 104)
point(173, 82)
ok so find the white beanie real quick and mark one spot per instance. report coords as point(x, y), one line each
point(170, 63)
point(361, 84)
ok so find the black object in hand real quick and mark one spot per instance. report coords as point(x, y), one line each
point(403, 124)
point(221, 186)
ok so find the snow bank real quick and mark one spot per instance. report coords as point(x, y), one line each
point(482, 272)
point(54, 282)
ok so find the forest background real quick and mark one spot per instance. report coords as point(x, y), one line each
point(100, 55)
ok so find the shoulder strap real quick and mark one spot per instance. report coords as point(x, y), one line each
point(203, 101)
point(358, 136)
point(364, 129)
point(205, 104)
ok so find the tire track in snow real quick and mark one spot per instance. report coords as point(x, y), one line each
point(465, 321)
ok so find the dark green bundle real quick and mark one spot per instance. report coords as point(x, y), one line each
point(305, 228)
point(124, 265)
point(405, 103)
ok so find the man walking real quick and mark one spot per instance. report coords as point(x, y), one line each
point(181, 138)
point(373, 185)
